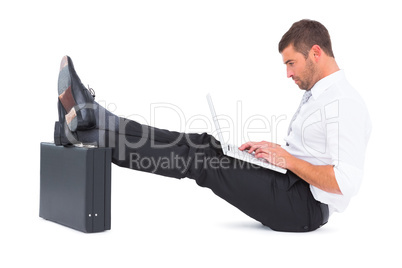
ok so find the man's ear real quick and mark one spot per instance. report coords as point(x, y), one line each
point(317, 52)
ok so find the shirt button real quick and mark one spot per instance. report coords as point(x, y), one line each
point(305, 227)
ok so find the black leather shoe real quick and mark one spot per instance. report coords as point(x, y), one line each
point(75, 106)
point(76, 102)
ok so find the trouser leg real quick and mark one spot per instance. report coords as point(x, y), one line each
point(159, 151)
point(282, 202)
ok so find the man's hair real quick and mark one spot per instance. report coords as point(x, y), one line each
point(304, 34)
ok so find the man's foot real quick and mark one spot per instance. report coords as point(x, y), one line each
point(76, 105)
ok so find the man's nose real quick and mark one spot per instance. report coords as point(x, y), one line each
point(289, 72)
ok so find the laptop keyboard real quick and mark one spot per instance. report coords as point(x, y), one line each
point(241, 154)
point(250, 157)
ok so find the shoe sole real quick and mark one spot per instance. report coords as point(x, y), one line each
point(66, 95)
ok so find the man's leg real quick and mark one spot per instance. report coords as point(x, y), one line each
point(282, 202)
point(158, 151)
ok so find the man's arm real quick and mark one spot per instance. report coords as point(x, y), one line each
point(322, 177)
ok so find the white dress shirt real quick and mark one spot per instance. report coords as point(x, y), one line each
point(333, 128)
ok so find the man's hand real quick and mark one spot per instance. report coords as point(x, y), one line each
point(269, 151)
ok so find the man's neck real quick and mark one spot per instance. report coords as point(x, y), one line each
point(330, 67)
point(327, 67)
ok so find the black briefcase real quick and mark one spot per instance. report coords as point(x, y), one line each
point(75, 186)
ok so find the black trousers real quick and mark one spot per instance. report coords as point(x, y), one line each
point(282, 202)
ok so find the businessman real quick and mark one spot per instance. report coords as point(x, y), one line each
point(324, 152)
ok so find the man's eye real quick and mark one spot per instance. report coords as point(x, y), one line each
point(291, 63)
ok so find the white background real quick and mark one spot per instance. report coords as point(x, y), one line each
point(136, 53)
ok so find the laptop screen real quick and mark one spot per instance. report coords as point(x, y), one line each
point(215, 118)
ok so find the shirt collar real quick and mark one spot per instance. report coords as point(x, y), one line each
point(326, 82)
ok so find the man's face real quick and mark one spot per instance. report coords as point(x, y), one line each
point(303, 71)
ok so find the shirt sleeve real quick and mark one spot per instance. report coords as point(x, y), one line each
point(347, 139)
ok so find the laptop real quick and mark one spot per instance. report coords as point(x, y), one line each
point(234, 151)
